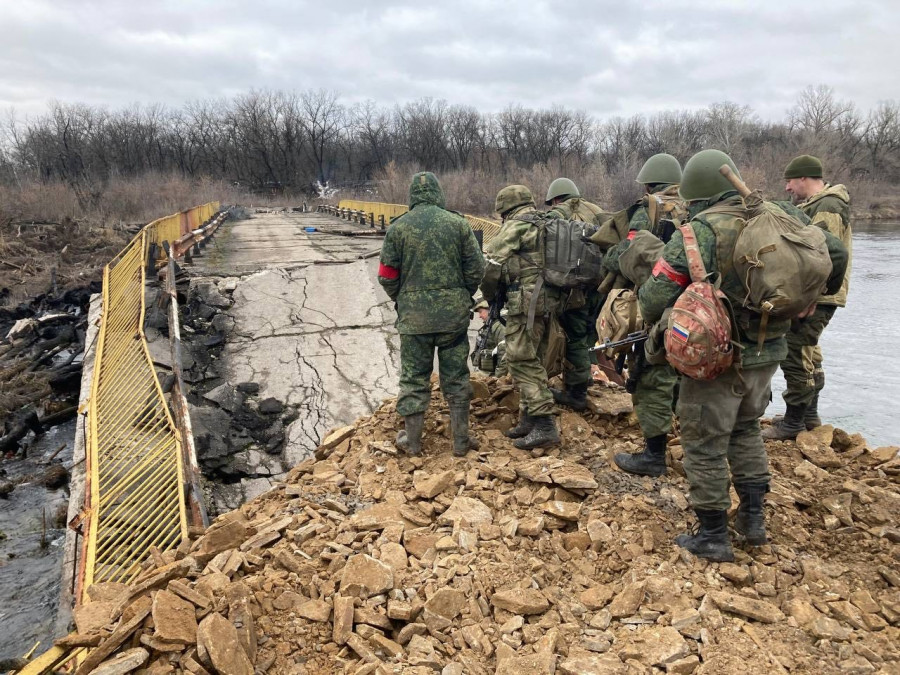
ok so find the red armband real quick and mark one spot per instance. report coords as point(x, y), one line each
point(388, 272)
point(631, 234)
point(664, 268)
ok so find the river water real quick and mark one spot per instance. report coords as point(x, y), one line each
point(861, 345)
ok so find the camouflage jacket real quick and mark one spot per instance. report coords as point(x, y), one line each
point(576, 208)
point(514, 259)
point(430, 263)
point(830, 210)
point(715, 237)
point(638, 219)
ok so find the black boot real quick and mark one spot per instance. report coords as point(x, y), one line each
point(787, 428)
point(523, 426)
point(750, 519)
point(542, 435)
point(459, 427)
point(575, 397)
point(711, 540)
point(650, 462)
point(410, 438)
point(811, 417)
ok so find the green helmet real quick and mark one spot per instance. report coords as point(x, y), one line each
point(512, 196)
point(701, 179)
point(482, 304)
point(661, 168)
point(561, 187)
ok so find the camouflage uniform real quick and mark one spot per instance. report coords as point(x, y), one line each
point(720, 418)
point(486, 361)
point(803, 372)
point(431, 266)
point(514, 259)
point(582, 306)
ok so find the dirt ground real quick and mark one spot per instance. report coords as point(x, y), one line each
point(368, 561)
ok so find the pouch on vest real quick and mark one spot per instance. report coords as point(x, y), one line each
point(698, 336)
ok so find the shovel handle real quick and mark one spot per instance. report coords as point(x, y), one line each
point(735, 180)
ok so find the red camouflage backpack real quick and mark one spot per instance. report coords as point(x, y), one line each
point(698, 339)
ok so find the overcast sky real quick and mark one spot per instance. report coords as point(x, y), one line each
point(609, 58)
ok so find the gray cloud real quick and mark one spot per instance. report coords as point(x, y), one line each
point(609, 58)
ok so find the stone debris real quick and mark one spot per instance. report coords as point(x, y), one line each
point(364, 560)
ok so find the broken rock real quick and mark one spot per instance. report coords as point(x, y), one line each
point(521, 601)
point(364, 571)
point(467, 510)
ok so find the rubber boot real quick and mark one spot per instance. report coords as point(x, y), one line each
point(542, 435)
point(750, 519)
point(410, 438)
point(786, 428)
point(811, 417)
point(650, 462)
point(711, 540)
point(523, 426)
point(575, 397)
point(459, 427)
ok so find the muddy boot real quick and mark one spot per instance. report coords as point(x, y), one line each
point(574, 397)
point(711, 540)
point(410, 438)
point(786, 428)
point(650, 462)
point(811, 417)
point(750, 519)
point(523, 426)
point(542, 435)
point(459, 426)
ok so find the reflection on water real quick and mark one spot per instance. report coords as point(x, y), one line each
point(862, 343)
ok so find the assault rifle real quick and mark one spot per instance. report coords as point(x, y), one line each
point(630, 339)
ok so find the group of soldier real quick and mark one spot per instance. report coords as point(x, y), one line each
point(432, 266)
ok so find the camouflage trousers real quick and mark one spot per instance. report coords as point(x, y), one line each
point(802, 368)
point(524, 359)
point(654, 398)
point(580, 335)
point(720, 431)
point(417, 363)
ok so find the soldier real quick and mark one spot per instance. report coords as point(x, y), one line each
point(513, 260)
point(430, 267)
point(492, 358)
point(720, 417)
point(581, 306)
point(654, 385)
point(828, 206)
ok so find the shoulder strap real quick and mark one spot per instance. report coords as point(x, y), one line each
point(692, 250)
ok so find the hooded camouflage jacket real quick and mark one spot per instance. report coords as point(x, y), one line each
point(430, 263)
point(830, 210)
point(716, 232)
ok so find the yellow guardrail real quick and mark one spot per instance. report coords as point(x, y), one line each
point(489, 228)
point(134, 472)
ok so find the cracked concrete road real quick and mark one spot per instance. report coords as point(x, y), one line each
point(311, 324)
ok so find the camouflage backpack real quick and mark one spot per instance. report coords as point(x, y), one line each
point(698, 337)
point(620, 316)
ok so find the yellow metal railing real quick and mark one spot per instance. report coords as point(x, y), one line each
point(489, 228)
point(135, 474)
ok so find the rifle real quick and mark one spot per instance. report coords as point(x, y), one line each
point(630, 339)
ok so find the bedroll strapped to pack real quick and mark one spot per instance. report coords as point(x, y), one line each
point(698, 337)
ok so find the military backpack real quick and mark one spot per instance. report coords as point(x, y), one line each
point(620, 316)
point(698, 338)
point(666, 212)
point(568, 262)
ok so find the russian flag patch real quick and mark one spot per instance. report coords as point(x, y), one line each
point(680, 332)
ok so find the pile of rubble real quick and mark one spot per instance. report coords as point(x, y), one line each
point(368, 561)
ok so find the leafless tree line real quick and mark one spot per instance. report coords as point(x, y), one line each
point(276, 139)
